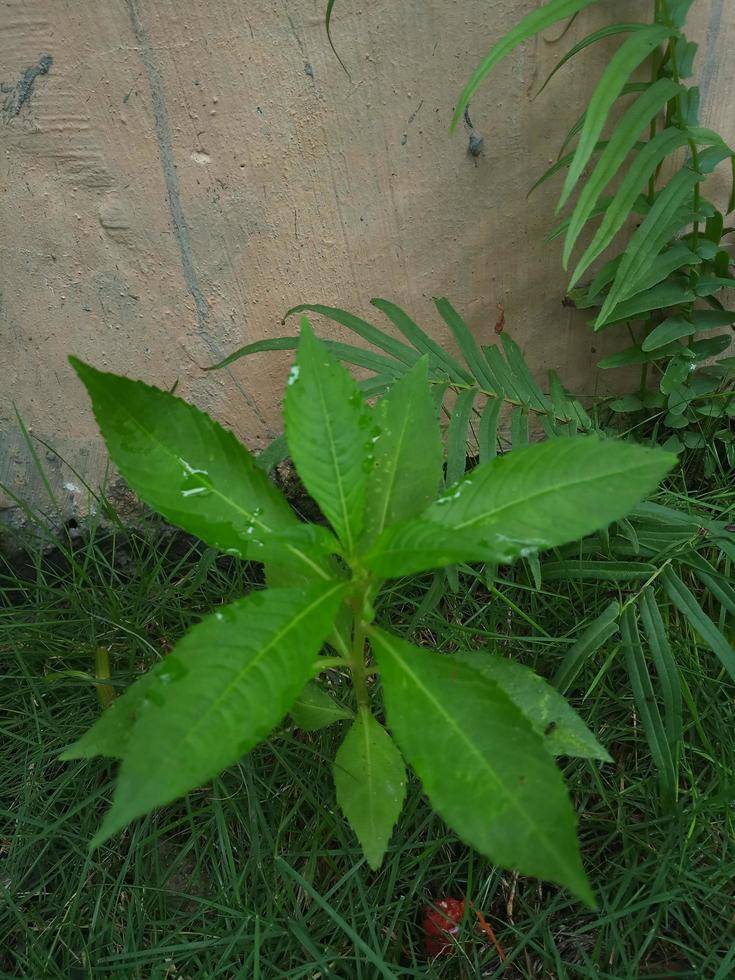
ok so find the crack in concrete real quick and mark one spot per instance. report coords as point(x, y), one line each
point(171, 180)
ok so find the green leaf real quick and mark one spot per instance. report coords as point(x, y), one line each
point(314, 709)
point(328, 26)
point(370, 779)
point(110, 733)
point(535, 22)
point(602, 571)
point(639, 115)
point(488, 436)
point(191, 470)
point(545, 495)
point(408, 454)
point(484, 768)
point(676, 373)
point(618, 211)
point(273, 454)
point(600, 630)
point(531, 394)
point(551, 716)
point(698, 619)
point(655, 231)
point(270, 344)
point(611, 30)
point(672, 259)
point(533, 498)
point(667, 671)
point(626, 59)
point(328, 429)
point(673, 328)
point(420, 545)
point(671, 293)
point(222, 689)
point(438, 357)
point(457, 435)
point(646, 704)
point(394, 348)
point(631, 355)
point(467, 344)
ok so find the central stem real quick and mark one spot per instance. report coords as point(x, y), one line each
point(357, 655)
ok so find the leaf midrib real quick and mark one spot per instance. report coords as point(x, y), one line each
point(335, 462)
point(498, 783)
point(393, 473)
point(249, 515)
point(529, 498)
point(237, 678)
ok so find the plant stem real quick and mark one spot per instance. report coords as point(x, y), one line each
point(357, 654)
point(105, 692)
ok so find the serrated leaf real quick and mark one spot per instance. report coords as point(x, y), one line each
point(551, 716)
point(484, 768)
point(110, 733)
point(626, 59)
point(623, 140)
point(370, 779)
point(545, 495)
point(531, 499)
point(314, 709)
point(408, 454)
point(222, 689)
point(192, 471)
point(328, 429)
point(535, 22)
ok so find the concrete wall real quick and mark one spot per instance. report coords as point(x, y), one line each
point(177, 173)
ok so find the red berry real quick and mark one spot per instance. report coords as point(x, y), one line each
point(440, 924)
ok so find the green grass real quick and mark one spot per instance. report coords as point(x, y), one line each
point(256, 875)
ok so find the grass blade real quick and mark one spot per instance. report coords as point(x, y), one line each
point(698, 619)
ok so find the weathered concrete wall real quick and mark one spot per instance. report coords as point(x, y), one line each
point(178, 173)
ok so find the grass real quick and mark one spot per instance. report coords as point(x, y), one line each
point(256, 875)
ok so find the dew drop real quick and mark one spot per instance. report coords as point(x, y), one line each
point(293, 375)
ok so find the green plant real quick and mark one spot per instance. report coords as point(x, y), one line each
point(208, 886)
point(472, 393)
point(480, 732)
point(676, 258)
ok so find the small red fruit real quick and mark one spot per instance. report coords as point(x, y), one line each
point(441, 925)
